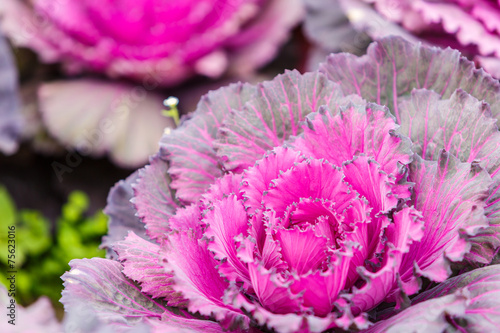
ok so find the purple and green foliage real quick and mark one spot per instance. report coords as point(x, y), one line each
point(308, 202)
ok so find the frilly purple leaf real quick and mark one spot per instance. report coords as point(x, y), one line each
point(193, 164)
point(315, 210)
point(194, 270)
point(141, 263)
point(107, 294)
point(464, 127)
point(451, 196)
point(354, 130)
point(154, 199)
point(393, 67)
point(273, 114)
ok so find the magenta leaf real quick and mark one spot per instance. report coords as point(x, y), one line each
point(257, 180)
point(273, 293)
point(296, 183)
point(356, 129)
point(395, 239)
point(273, 115)
point(222, 236)
point(153, 199)
point(107, 294)
point(188, 149)
point(193, 267)
point(302, 250)
point(10, 117)
point(393, 67)
point(368, 179)
point(121, 213)
point(141, 262)
point(225, 186)
point(451, 197)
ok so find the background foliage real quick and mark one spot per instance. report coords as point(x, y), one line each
point(42, 254)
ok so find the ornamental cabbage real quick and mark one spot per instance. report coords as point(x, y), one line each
point(303, 203)
point(164, 41)
point(470, 26)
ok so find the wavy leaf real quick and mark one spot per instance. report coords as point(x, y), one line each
point(366, 129)
point(96, 290)
point(272, 116)
point(141, 262)
point(451, 196)
point(188, 149)
point(153, 198)
point(226, 221)
point(394, 67)
point(463, 126)
point(194, 271)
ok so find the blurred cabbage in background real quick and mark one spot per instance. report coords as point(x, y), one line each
point(148, 45)
point(472, 27)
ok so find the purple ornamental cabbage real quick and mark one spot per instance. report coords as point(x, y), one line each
point(302, 204)
point(470, 26)
point(164, 41)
